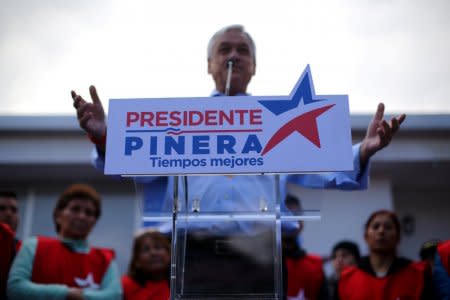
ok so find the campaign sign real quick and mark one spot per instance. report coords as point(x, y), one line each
point(302, 132)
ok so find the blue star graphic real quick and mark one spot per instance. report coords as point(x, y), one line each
point(305, 123)
point(304, 89)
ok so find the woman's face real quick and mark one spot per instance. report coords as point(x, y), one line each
point(77, 219)
point(381, 235)
point(153, 257)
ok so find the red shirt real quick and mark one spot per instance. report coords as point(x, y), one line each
point(152, 290)
point(55, 262)
point(404, 280)
point(305, 277)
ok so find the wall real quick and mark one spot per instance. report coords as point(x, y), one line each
point(430, 210)
point(343, 214)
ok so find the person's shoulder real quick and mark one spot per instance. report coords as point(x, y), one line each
point(348, 272)
point(45, 239)
point(419, 266)
point(44, 242)
point(27, 247)
point(404, 266)
point(129, 286)
point(109, 253)
point(314, 258)
point(29, 241)
point(444, 247)
point(312, 262)
point(127, 280)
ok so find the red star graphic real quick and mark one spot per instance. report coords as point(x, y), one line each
point(305, 124)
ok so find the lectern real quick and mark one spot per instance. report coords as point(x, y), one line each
point(234, 253)
point(226, 230)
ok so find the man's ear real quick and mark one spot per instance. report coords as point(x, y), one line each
point(209, 66)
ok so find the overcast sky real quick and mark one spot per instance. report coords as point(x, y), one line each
point(378, 50)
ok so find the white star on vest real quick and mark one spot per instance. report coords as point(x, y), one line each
point(87, 283)
point(300, 296)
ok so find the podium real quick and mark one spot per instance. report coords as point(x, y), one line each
point(234, 253)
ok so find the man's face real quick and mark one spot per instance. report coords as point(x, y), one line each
point(343, 258)
point(9, 212)
point(232, 45)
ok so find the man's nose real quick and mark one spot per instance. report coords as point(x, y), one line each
point(233, 56)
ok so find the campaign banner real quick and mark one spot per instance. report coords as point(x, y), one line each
point(299, 133)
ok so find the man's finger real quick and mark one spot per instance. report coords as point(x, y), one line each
point(94, 96)
point(395, 125)
point(381, 133)
point(83, 109)
point(77, 101)
point(386, 128)
point(401, 118)
point(380, 112)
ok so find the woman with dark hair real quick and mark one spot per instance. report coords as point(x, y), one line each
point(383, 275)
point(67, 267)
point(148, 273)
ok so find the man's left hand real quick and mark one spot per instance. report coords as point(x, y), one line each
point(379, 134)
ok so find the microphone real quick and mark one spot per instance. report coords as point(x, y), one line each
point(228, 83)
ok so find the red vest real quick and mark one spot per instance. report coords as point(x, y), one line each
point(305, 276)
point(407, 283)
point(7, 252)
point(55, 262)
point(152, 290)
point(444, 253)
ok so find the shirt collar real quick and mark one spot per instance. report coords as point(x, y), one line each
point(216, 93)
point(81, 246)
point(398, 264)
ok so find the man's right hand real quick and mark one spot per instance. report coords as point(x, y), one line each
point(91, 116)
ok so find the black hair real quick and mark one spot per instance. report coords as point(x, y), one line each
point(350, 246)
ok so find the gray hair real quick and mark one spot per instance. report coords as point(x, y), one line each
point(224, 30)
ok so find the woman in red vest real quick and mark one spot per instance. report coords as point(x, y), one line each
point(67, 267)
point(148, 273)
point(383, 275)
